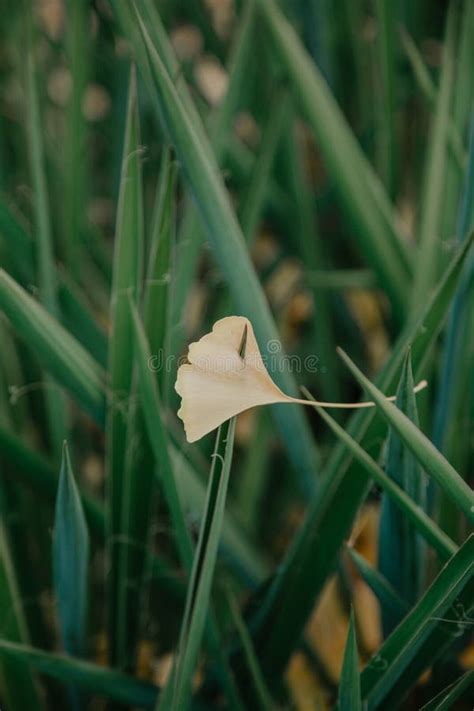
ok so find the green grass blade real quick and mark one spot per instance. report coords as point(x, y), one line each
point(31, 575)
point(23, 572)
point(461, 119)
point(73, 306)
point(452, 412)
point(70, 561)
point(159, 440)
point(425, 633)
point(192, 235)
point(44, 242)
point(240, 57)
point(387, 145)
point(269, 163)
point(255, 194)
point(127, 274)
point(306, 566)
point(246, 560)
point(19, 688)
point(41, 477)
point(254, 477)
point(37, 474)
point(168, 480)
point(139, 491)
point(17, 242)
point(199, 590)
point(418, 66)
point(428, 89)
point(339, 279)
point(349, 684)
point(75, 159)
point(401, 553)
point(451, 380)
point(425, 452)
point(448, 697)
point(91, 677)
point(352, 16)
point(251, 206)
point(61, 355)
point(229, 248)
point(444, 546)
point(76, 318)
point(135, 561)
point(262, 697)
point(158, 292)
point(305, 232)
point(430, 227)
point(14, 411)
point(359, 188)
point(392, 605)
point(126, 12)
point(46, 274)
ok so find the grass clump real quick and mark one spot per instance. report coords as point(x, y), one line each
point(164, 166)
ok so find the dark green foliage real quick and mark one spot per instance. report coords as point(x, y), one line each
point(310, 167)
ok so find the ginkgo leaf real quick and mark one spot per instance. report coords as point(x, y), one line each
point(217, 383)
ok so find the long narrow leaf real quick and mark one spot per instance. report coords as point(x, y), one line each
point(91, 677)
point(199, 591)
point(401, 553)
point(436, 621)
point(19, 686)
point(192, 233)
point(126, 281)
point(451, 381)
point(253, 199)
point(387, 149)
point(77, 319)
point(349, 684)
point(42, 478)
point(331, 514)
point(46, 273)
point(229, 247)
point(359, 188)
point(262, 695)
point(392, 605)
point(435, 172)
point(429, 90)
point(74, 311)
point(17, 241)
point(70, 561)
point(158, 292)
point(305, 232)
point(158, 438)
point(448, 697)
point(423, 449)
point(159, 443)
point(66, 360)
point(75, 186)
point(406, 506)
point(244, 558)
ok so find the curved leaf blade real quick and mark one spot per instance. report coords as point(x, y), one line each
point(423, 449)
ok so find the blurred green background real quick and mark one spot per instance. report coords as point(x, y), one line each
point(309, 165)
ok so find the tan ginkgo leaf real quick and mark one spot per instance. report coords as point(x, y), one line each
point(218, 382)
